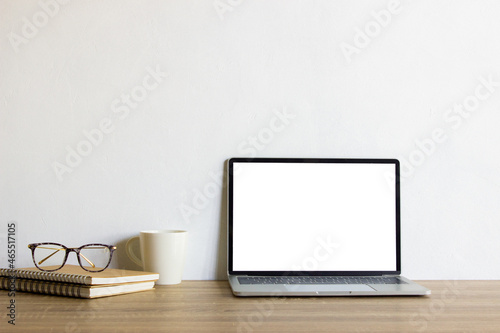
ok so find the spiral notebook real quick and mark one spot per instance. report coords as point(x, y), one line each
point(72, 289)
point(75, 274)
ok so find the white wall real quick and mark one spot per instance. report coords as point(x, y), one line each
point(223, 77)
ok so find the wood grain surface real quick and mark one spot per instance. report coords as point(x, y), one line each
point(209, 306)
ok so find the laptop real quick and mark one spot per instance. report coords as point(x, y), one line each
point(315, 227)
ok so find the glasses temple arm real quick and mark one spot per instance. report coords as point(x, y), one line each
point(41, 261)
point(90, 262)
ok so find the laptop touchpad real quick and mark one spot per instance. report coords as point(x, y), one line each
point(328, 287)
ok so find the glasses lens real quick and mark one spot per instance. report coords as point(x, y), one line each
point(49, 256)
point(94, 257)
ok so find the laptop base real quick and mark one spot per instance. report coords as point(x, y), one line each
point(276, 290)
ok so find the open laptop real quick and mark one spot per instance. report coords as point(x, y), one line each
point(315, 227)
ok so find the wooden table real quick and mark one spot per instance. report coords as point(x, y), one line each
point(209, 306)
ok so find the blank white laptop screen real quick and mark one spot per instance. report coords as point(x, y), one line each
point(314, 217)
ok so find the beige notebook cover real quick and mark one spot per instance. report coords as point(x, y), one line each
point(75, 274)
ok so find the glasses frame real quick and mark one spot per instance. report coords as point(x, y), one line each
point(77, 250)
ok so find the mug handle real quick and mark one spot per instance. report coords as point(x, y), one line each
point(131, 254)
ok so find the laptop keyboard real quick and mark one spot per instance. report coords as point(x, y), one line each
point(320, 280)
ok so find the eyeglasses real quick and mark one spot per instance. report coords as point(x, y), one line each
point(50, 257)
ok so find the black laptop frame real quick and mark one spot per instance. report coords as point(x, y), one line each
point(312, 160)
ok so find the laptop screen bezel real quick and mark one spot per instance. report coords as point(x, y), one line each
point(230, 184)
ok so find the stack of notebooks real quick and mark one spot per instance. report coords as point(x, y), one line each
point(73, 281)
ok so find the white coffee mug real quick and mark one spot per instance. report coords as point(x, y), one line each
point(162, 251)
